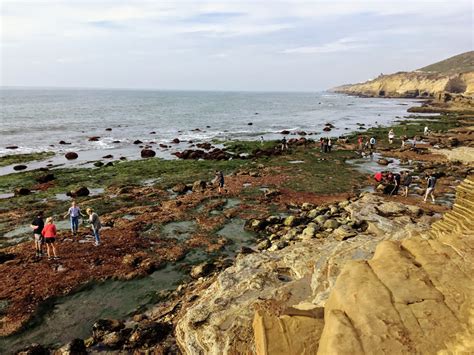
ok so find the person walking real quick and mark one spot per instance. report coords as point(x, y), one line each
point(431, 183)
point(74, 213)
point(329, 145)
point(261, 140)
point(220, 181)
point(95, 224)
point(407, 179)
point(37, 225)
point(49, 234)
point(391, 136)
point(284, 144)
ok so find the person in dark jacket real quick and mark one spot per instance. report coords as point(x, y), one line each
point(37, 225)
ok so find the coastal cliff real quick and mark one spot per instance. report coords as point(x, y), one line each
point(454, 75)
point(399, 286)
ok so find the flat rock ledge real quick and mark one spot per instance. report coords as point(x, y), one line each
point(281, 302)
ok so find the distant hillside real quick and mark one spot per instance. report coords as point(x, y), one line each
point(460, 63)
point(452, 75)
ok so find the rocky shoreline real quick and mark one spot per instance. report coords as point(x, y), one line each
point(213, 311)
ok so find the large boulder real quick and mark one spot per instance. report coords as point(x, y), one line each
point(71, 155)
point(80, 192)
point(180, 188)
point(19, 167)
point(149, 333)
point(147, 153)
point(45, 178)
point(21, 191)
point(199, 186)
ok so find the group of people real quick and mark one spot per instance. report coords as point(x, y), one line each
point(368, 145)
point(394, 181)
point(325, 145)
point(45, 232)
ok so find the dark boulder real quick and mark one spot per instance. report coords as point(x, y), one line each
point(180, 188)
point(326, 129)
point(137, 141)
point(285, 132)
point(74, 347)
point(149, 333)
point(63, 143)
point(45, 178)
point(249, 124)
point(98, 164)
point(108, 156)
point(163, 145)
point(109, 164)
point(19, 167)
point(94, 139)
point(80, 192)
point(147, 153)
point(175, 141)
point(71, 155)
point(12, 147)
point(108, 129)
point(199, 186)
point(22, 191)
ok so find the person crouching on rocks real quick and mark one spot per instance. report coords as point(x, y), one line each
point(95, 225)
point(37, 225)
point(49, 234)
point(74, 213)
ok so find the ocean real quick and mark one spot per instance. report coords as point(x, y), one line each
point(37, 119)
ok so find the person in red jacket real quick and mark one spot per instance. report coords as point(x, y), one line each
point(49, 234)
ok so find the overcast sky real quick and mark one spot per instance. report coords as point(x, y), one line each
point(225, 45)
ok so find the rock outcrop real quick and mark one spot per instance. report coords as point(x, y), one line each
point(404, 285)
point(295, 278)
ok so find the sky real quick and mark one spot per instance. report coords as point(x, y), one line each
point(225, 45)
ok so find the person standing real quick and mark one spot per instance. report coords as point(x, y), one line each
point(372, 143)
point(431, 183)
point(220, 180)
point(37, 225)
point(329, 145)
point(407, 179)
point(95, 225)
point(74, 213)
point(49, 234)
point(284, 144)
point(391, 136)
point(426, 131)
point(360, 142)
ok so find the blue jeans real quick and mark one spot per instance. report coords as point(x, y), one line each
point(74, 224)
point(96, 235)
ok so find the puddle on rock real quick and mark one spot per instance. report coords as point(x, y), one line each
point(296, 162)
point(234, 232)
point(369, 164)
point(181, 230)
point(24, 232)
point(72, 316)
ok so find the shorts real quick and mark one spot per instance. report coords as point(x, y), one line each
point(221, 183)
point(49, 240)
point(429, 190)
point(38, 237)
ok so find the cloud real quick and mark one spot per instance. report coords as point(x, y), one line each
point(340, 45)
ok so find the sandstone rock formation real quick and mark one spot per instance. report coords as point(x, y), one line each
point(398, 287)
point(297, 275)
